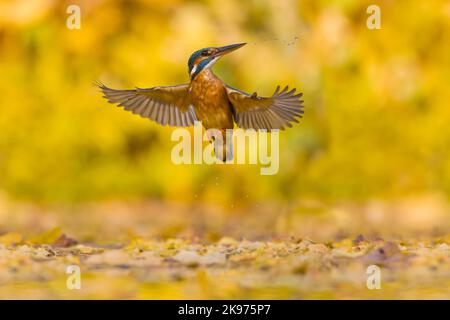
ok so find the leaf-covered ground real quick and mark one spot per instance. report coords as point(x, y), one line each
point(161, 250)
point(228, 268)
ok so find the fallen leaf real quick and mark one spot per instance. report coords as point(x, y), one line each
point(387, 255)
point(64, 241)
point(11, 238)
point(360, 238)
point(47, 237)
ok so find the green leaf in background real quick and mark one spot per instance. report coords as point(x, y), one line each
point(10, 238)
point(47, 237)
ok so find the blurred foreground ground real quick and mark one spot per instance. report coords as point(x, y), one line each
point(154, 250)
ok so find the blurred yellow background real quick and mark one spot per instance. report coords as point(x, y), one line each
point(373, 145)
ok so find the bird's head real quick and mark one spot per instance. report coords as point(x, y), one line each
point(205, 58)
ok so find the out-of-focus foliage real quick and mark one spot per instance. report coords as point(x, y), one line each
point(376, 122)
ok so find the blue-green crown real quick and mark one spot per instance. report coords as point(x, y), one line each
point(201, 64)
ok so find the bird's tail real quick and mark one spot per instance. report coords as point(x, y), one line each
point(223, 145)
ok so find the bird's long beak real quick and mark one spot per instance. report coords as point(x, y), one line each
point(227, 49)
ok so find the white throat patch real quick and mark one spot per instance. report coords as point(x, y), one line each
point(193, 70)
point(209, 65)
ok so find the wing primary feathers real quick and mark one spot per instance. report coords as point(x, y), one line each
point(276, 112)
point(140, 109)
point(164, 105)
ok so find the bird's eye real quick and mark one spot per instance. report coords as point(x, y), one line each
point(205, 53)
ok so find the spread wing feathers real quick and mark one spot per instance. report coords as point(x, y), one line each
point(276, 112)
point(165, 105)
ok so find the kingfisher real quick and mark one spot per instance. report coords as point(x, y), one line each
point(206, 98)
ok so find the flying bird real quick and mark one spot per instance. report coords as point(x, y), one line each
point(208, 99)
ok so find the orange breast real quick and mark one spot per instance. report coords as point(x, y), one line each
point(210, 100)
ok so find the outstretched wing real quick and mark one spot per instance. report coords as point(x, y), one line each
point(276, 112)
point(165, 105)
